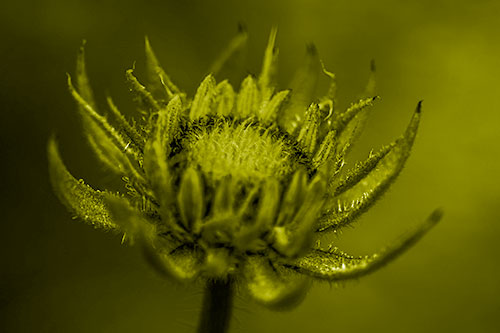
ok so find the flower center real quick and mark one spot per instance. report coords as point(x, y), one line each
point(245, 151)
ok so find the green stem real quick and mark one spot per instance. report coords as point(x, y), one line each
point(217, 307)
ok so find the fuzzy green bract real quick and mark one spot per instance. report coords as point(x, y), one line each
point(236, 183)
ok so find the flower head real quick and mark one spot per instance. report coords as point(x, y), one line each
point(236, 184)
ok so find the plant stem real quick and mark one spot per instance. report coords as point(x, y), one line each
point(217, 307)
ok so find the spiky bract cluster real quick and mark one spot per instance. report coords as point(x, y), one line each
point(236, 185)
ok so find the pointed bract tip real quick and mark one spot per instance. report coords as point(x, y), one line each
point(210, 78)
point(82, 47)
point(272, 38)
point(242, 28)
point(419, 106)
point(52, 143)
point(68, 80)
point(373, 67)
point(311, 49)
point(436, 215)
point(149, 49)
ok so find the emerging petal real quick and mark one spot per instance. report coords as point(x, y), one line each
point(203, 99)
point(248, 99)
point(224, 99)
point(295, 237)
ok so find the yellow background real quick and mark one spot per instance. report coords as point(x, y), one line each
point(58, 275)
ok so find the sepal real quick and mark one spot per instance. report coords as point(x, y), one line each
point(166, 256)
point(336, 265)
point(326, 150)
point(158, 80)
point(361, 170)
point(155, 159)
point(358, 198)
point(81, 199)
point(273, 285)
point(109, 146)
point(145, 101)
point(340, 120)
point(137, 139)
point(82, 80)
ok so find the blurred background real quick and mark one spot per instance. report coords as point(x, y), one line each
point(58, 275)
